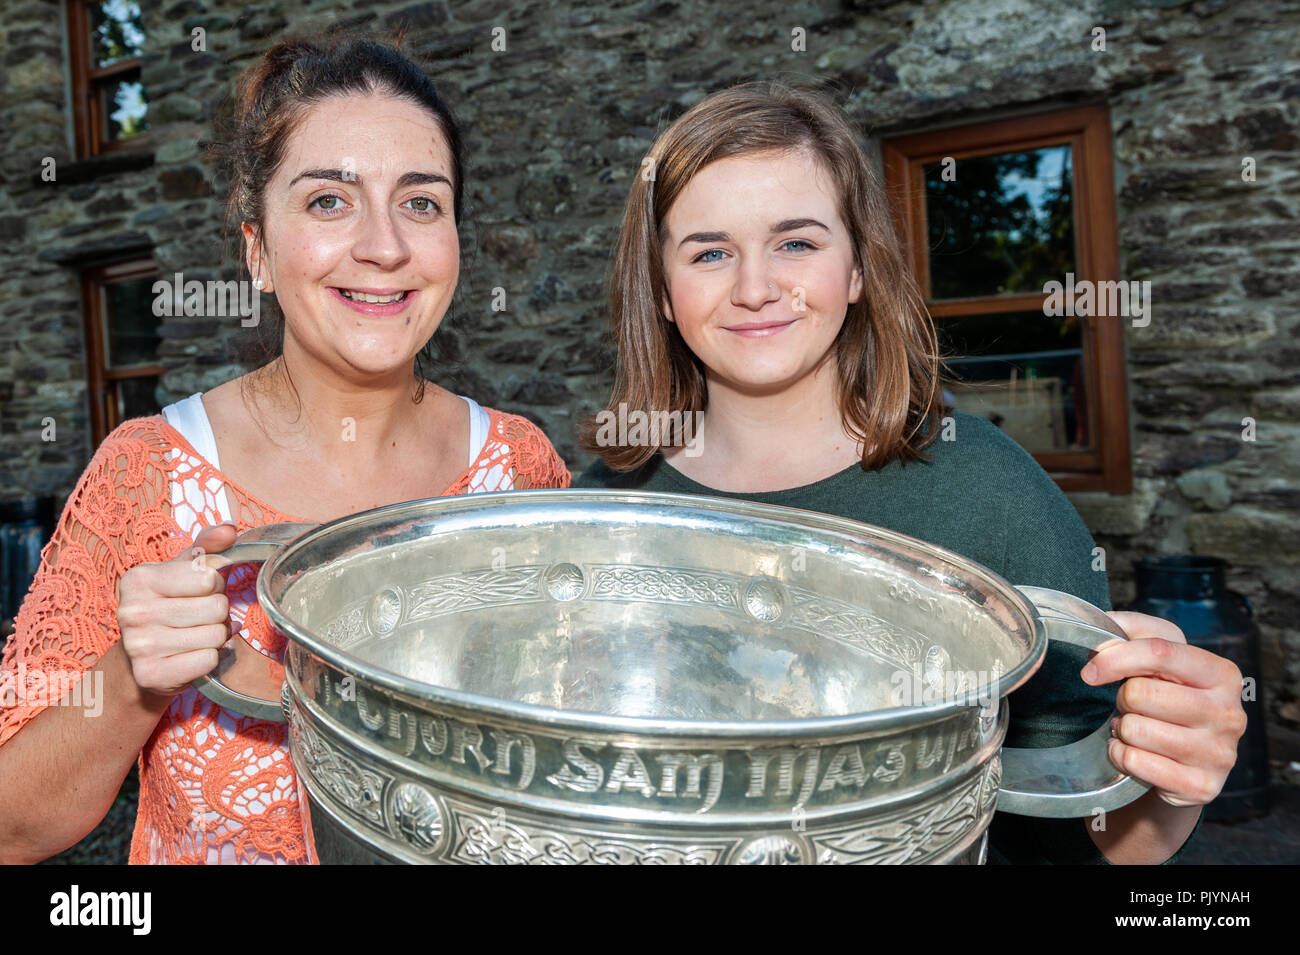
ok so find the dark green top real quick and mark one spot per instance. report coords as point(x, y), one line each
point(983, 496)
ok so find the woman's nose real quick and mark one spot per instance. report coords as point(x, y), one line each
point(754, 288)
point(380, 242)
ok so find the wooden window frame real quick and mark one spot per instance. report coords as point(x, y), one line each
point(1107, 466)
point(102, 379)
point(88, 83)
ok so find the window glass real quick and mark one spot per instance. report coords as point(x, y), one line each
point(130, 326)
point(136, 397)
point(125, 110)
point(999, 224)
point(1023, 371)
point(116, 31)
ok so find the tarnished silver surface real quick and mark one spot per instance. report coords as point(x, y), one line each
point(599, 677)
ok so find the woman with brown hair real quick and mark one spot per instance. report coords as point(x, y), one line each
point(759, 295)
point(348, 183)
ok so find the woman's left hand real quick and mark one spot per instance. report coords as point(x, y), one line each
point(1180, 709)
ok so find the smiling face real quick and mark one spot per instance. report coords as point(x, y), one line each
point(360, 246)
point(760, 269)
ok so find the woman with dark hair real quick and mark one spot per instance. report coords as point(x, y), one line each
point(758, 288)
point(348, 184)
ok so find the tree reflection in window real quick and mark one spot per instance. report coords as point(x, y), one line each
point(999, 224)
point(115, 31)
point(109, 59)
point(125, 108)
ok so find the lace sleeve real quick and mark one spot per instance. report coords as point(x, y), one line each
point(112, 521)
point(536, 462)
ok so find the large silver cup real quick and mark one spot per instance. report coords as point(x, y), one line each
point(625, 677)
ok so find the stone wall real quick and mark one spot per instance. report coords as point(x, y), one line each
point(557, 124)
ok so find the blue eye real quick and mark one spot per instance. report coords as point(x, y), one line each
point(802, 242)
point(701, 256)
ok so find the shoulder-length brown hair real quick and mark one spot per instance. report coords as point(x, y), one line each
point(886, 352)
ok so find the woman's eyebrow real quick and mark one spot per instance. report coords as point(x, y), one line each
point(705, 237)
point(790, 225)
point(421, 179)
point(339, 175)
point(785, 225)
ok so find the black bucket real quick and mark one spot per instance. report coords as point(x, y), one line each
point(1191, 591)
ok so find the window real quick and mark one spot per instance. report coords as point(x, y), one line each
point(991, 214)
point(111, 110)
point(121, 343)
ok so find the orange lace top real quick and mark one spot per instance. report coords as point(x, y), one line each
point(214, 787)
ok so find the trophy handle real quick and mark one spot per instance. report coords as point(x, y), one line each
point(245, 681)
point(1077, 779)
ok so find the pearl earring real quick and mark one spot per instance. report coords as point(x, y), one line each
point(259, 283)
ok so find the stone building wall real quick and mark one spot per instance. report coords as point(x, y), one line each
point(557, 125)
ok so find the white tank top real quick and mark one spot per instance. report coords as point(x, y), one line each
point(190, 418)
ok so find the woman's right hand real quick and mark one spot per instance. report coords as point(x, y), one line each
point(174, 615)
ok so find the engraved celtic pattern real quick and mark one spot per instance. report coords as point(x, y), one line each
point(347, 628)
point(842, 621)
point(565, 582)
point(915, 836)
point(474, 591)
point(385, 610)
point(771, 850)
point(764, 599)
point(357, 788)
point(629, 582)
point(488, 840)
point(467, 834)
point(416, 815)
point(757, 597)
point(992, 780)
